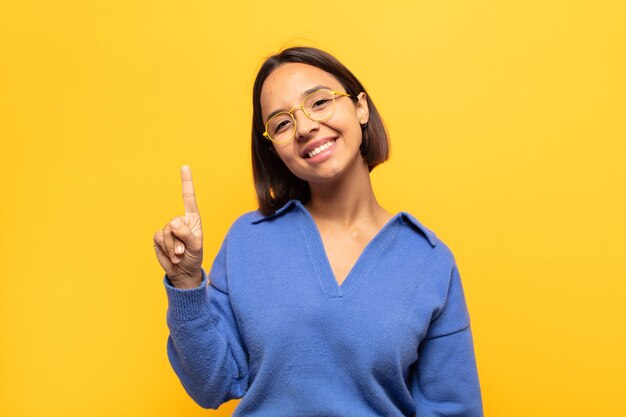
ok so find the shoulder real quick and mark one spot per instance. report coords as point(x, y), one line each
point(426, 240)
point(254, 223)
point(247, 219)
point(244, 223)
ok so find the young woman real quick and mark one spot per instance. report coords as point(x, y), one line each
point(320, 303)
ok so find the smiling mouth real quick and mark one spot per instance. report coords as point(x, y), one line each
point(320, 148)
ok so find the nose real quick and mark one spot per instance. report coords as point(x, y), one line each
point(304, 125)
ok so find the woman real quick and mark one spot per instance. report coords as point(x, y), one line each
point(320, 303)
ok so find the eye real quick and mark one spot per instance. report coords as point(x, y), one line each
point(320, 103)
point(280, 125)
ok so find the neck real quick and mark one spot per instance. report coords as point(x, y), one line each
point(346, 200)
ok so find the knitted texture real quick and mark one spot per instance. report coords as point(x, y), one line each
point(271, 325)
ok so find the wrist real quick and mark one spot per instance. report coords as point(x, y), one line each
point(185, 282)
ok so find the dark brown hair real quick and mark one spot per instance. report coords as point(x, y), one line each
point(274, 183)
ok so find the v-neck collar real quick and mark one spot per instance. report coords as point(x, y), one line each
point(321, 264)
point(358, 272)
point(258, 217)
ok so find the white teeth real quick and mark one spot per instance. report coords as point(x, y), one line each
point(320, 148)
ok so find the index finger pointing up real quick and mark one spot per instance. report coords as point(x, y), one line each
point(189, 194)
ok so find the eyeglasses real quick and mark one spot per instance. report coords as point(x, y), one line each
point(317, 106)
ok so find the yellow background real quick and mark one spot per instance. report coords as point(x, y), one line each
point(507, 121)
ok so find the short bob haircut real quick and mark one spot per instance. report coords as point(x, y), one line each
point(274, 183)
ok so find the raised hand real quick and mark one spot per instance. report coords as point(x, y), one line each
point(178, 245)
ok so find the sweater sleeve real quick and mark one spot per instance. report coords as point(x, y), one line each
point(204, 346)
point(445, 378)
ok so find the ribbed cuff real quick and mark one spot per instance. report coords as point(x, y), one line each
point(187, 304)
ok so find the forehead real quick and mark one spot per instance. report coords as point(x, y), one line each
point(286, 85)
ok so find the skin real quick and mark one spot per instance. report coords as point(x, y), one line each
point(342, 202)
point(178, 244)
point(284, 88)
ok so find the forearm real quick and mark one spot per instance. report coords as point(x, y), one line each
point(199, 349)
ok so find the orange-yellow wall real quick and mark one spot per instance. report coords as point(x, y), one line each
point(508, 126)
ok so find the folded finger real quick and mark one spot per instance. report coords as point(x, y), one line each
point(168, 242)
point(162, 256)
point(179, 245)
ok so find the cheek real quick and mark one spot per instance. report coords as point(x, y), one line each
point(347, 122)
point(350, 130)
point(286, 153)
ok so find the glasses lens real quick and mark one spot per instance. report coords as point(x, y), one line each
point(320, 105)
point(281, 127)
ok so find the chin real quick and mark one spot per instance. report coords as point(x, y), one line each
point(323, 174)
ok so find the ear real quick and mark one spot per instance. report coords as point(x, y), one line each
point(362, 109)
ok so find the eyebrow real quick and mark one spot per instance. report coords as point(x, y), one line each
point(304, 94)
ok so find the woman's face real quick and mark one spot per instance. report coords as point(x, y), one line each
point(339, 137)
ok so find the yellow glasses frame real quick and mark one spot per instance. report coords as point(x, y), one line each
point(301, 107)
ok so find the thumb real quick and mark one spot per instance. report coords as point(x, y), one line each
point(184, 233)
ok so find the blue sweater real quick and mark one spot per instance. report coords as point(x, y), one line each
point(274, 328)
